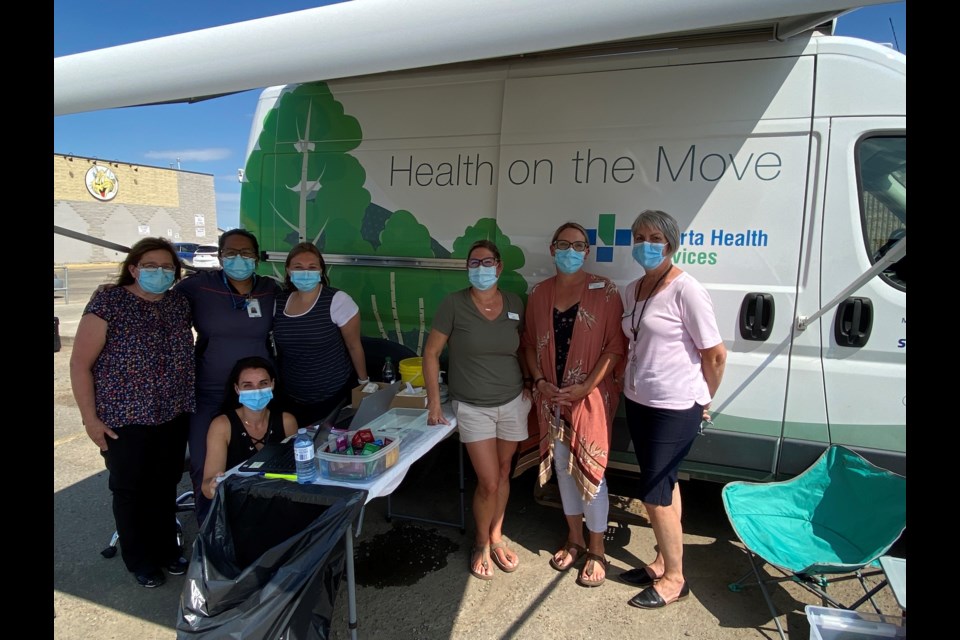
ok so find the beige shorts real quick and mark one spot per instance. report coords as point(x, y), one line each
point(506, 422)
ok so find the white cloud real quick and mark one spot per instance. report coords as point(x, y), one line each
point(191, 155)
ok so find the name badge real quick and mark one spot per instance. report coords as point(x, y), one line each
point(253, 308)
point(596, 285)
point(513, 316)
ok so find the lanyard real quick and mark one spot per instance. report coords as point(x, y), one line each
point(635, 328)
point(244, 299)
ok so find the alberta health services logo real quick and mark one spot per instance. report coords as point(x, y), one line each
point(102, 183)
point(607, 233)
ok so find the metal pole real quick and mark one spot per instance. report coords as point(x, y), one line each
point(351, 583)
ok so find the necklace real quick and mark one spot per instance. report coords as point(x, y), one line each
point(262, 422)
point(635, 327)
point(481, 302)
point(255, 423)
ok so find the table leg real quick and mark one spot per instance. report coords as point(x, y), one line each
point(447, 523)
point(351, 583)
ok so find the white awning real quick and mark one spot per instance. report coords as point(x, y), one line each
point(363, 37)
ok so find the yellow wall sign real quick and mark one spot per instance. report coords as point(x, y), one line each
point(102, 183)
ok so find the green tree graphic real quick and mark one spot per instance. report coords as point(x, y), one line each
point(302, 184)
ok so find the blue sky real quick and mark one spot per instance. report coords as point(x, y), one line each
point(211, 137)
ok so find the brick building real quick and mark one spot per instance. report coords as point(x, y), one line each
point(123, 202)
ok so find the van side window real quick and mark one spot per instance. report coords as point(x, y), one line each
point(882, 168)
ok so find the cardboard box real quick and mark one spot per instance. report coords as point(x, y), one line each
point(399, 401)
point(409, 402)
point(358, 394)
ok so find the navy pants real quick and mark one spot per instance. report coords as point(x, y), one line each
point(662, 438)
point(208, 408)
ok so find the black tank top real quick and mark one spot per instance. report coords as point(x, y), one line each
point(241, 445)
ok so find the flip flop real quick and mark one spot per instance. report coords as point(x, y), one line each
point(587, 571)
point(477, 574)
point(496, 558)
point(567, 548)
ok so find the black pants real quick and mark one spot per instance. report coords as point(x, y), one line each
point(145, 464)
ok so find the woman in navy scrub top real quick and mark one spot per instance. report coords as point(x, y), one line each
point(232, 315)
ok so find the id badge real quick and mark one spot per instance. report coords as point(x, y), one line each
point(632, 374)
point(253, 308)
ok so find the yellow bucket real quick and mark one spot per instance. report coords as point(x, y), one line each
point(411, 370)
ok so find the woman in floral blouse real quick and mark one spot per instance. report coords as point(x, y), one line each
point(132, 373)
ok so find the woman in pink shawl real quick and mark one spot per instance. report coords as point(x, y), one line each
point(574, 350)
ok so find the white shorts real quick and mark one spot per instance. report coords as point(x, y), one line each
point(506, 422)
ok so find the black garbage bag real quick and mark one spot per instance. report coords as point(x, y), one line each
point(268, 561)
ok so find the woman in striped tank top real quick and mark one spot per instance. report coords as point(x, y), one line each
point(317, 333)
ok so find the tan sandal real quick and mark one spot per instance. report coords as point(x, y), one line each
point(506, 568)
point(588, 570)
point(485, 564)
point(567, 548)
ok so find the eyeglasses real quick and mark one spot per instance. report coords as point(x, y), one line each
point(563, 245)
point(169, 268)
point(245, 253)
point(473, 263)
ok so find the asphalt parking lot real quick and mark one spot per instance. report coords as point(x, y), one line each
point(412, 577)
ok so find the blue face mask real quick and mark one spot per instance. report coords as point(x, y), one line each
point(482, 278)
point(569, 260)
point(256, 399)
point(305, 280)
point(238, 267)
point(155, 280)
point(648, 255)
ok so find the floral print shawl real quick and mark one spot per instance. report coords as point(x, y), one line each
point(586, 425)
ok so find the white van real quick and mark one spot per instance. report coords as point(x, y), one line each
point(784, 162)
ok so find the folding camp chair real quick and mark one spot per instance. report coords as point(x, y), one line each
point(829, 523)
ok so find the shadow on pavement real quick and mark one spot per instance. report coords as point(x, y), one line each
point(83, 525)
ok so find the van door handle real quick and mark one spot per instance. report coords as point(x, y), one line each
point(854, 322)
point(756, 316)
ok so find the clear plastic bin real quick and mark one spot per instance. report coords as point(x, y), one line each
point(341, 466)
point(841, 624)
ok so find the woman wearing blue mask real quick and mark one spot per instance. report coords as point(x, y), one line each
point(132, 373)
point(248, 421)
point(574, 351)
point(232, 314)
point(317, 332)
point(482, 325)
point(674, 366)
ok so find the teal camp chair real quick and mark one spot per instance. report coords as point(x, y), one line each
point(833, 520)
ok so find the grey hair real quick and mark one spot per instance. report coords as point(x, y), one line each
point(662, 222)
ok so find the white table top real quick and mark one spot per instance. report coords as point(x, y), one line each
point(387, 482)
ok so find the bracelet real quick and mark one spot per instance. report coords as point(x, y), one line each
point(537, 381)
point(363, 380)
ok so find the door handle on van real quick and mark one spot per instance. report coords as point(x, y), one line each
point(756, 316)
point(854, 322)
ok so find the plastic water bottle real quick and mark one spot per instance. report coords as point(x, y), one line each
point(388, 374)
point(304, 455)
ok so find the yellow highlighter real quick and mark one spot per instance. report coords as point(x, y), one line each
point(281, 476)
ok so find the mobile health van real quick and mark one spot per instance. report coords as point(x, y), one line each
point(784, 162)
